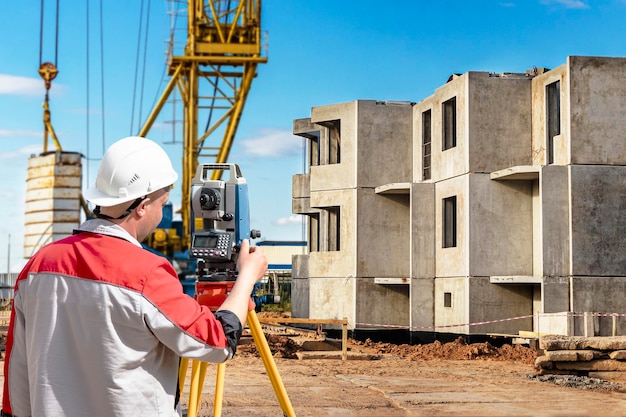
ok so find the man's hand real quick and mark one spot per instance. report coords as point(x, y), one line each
point(252, 262)
point(251, 267)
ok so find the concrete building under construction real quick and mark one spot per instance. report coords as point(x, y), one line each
point(496, 205)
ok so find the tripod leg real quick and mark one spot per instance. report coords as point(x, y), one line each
point(270, 366)
point(182, 373)
point(219, 389)
point(195, 390)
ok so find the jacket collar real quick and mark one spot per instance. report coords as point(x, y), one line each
point(105, 227)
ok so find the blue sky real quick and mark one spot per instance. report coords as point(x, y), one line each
point(320, 52)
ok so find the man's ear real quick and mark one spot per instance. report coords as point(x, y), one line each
point(141, 208)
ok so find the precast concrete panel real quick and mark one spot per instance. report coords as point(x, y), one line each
point(300, 195)
point(335, 264)
point(598, 106)
point(539, 132)
point(333, 176)
point(340, 262)
point(381, 304)
point(555, 293)
point(499, 121)
point(301, 186)
point(423, 230)
point(452, 261)
point(300, 286)
point(383, 235)
point(419, 136)
point(302, 206)
point(383, 142)
point(598, 201)
point(451, 305)
point(605, 295)
point(332, 298)
point(453, 161)
point(422, 304)
point(502, 307)
point(500, 227)
point(300, 298)
point(555, 220)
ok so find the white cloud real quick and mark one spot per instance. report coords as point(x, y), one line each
point(14, 154)
point(16, 85)
point(21, 133)
point(568, 4)
point(293, 219)
point(273, 143)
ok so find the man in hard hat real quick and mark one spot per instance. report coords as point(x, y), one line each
point(98, 323)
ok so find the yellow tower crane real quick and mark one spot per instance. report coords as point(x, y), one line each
point(223, 47)
point(222, 50)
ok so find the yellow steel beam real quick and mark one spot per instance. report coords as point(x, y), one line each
point(222, 51)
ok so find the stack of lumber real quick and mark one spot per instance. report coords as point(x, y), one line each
point(596, 357)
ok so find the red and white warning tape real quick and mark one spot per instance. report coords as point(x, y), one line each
point(489, 321)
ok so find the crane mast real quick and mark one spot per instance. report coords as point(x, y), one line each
point(212, 74)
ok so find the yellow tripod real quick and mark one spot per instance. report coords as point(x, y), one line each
point(198, 372)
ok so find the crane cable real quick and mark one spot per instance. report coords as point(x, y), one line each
point(143, 63)
point(88, 83)
point(48, 71)
point(56, 30)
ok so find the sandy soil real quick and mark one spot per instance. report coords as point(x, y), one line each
point(400, 380)
point(382, 379)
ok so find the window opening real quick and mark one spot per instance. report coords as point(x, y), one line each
point(447, 299)
point(449, 123)
point(449, 222)
point(553, 116)
point(334, 226)
point(334, 140)
point(426, 139)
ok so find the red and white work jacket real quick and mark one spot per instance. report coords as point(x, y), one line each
point(97, 328)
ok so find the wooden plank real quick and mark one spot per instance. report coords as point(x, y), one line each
point(289, 320)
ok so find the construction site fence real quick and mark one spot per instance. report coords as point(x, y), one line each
point(587, 316)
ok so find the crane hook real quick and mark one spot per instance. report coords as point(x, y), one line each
point(48, 71)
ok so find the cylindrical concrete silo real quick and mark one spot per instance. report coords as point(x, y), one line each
point(53, 190)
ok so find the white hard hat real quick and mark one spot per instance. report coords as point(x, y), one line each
point(131, 168)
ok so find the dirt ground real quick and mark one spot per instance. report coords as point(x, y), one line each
point(383, 379)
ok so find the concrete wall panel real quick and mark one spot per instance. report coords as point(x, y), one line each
point(499, 121)
point(539, 134)
point(608, 297)
point(452, 261)
point(598, 199)
point(381, 304)
point(339, 263)
point(555, 291)
point(300, 286)
point(332, 298)
point(384, 143)
point(383, 235)
point(458, 311)
point(492, 302)
point(500, 227)
point(555, 225)
point(598, 105)
point(343, 174)
point(423, 230)
point(418, 138)
point(453, 161)
point(422, 303)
